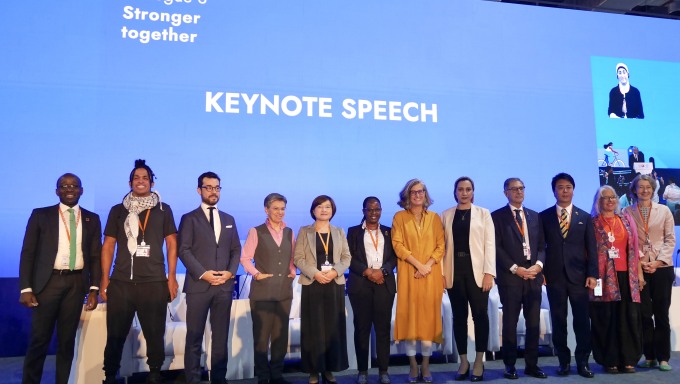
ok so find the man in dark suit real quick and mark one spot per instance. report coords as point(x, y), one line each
point(520, 253)
point(60, 262)
point(636, 157)
point(570, 270)
point(371, 288)
point(210, 249)
point(270, 246)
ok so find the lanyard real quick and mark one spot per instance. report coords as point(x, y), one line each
point(324, 243)
point(63, 220)
point(376, 239)
point(520, 227)
point(610, 228)
point(146, 220)
point(645, 221)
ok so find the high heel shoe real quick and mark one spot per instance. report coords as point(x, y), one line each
point(476, 378)
point(412, 380)
point(462, 376)
point(313, 379)
point(426, 379)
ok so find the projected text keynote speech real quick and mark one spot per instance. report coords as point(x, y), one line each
point(312, 106)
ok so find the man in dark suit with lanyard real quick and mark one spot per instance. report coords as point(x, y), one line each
point(570, 270)
point(210, 249)
point(520, 253)
point(371, 288)
point(60, 262)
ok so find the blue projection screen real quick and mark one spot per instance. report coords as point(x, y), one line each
point(303, 98)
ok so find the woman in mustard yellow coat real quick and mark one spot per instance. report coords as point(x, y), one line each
point(418, 240)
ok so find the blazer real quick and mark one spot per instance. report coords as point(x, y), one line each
point(304, 255)
point(355, 239)
point(576, 254)
point(41, 242)
point(482, 244)
point(509, 243)
point(199, 251)
point(661, 232)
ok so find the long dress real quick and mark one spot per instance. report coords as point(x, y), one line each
point(323, 326)
point(419, 301)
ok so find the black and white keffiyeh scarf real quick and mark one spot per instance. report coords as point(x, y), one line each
point(135, 205)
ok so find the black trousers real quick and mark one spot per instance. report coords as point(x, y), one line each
point(217, 302)
point(464, 291)
point(270, 324)
point(560, 294)
point(656, 302)
point(514, 298)
point(617, 328)
point(60, 304)
point(372, 307)
point(149, 301)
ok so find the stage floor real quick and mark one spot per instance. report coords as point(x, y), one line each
point(442, 372)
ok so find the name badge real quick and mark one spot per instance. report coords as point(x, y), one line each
point(613, 253)
point(646, 248)
point(526, 250)
point(326, 266)
point(598, 288)
point(143, 250)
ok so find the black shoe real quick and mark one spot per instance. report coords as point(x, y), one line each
point(328, 378)
point(536, 372)
point(584, 371)
point(630, 369)
point(510, 372)
point(475, 378)
point(462, 376)
point(611, 370)
point(563, 370)
point(154, 377)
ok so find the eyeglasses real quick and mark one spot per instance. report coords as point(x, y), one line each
point(210, 188)
point(609, 198)
point(69, 186)
point(372, 210)
point(516, 189)
point(417, 192)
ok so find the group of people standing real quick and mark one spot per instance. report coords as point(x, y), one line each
point(614, 268)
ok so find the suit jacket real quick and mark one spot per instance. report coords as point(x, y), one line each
point(661, 232)
point(509, 240)
point(357, 283)
point(631, 159)
point(199, 251)
point(573, 257)
point(41, 242)
point(305, 254)
point(482, 244)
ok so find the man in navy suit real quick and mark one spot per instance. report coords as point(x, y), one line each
point(60, 262)
point(210, 249)
point(570, 270)
point(520, 253)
